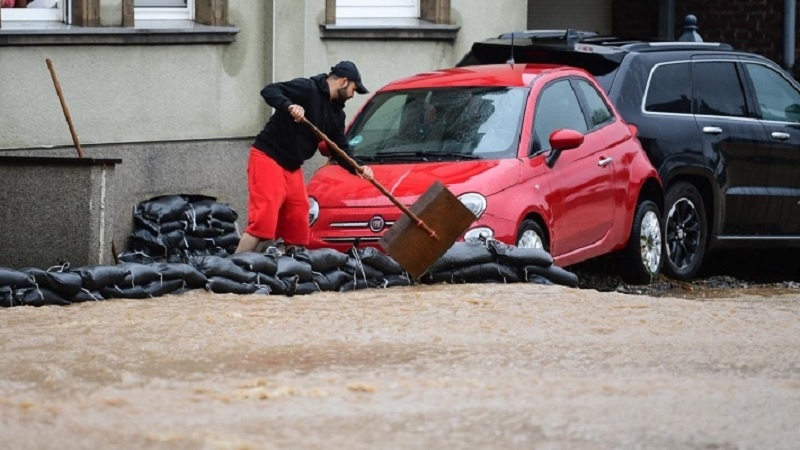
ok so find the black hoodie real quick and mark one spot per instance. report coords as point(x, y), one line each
point(291, 143)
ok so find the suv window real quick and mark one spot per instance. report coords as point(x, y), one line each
point(599, 113)
point(670, 89)
point(718, 90)
point(776, 97)
point(558, 108)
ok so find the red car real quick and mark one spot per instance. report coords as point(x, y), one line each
point(536, 151)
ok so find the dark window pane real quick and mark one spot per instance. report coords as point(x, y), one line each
point(717, 90)
point(599, 113)
point(670, 89)
point(557, 108)
point(778, 99)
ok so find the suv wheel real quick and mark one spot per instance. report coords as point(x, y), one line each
point(642, 256)
point(530, 235)
point(686, 231)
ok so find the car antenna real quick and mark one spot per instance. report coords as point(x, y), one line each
point(511, 57)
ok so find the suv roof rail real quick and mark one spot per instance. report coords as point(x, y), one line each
point(675, 45)
point(545, 34)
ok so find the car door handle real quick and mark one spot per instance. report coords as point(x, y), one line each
point(712, 130)
point(780, 136)
point(604, 161)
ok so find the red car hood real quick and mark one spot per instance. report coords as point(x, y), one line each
point(334, 187)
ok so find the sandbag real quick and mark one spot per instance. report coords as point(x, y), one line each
point(256, 262)
point(361, 270)
point(306, 287)
point(161, 209)
point(222, 285)
point(332, 279)
point(279, 286)
point(288, 266)
point(553, 273)
point(216, 266)
point(139, 274)
point(398, 280)
point(323, 259)
point(378, 260)
point(227, 241)
point(181, 271)
point(461, 254)
point(38, 297)
point(16, 279)
point(65, 284)
point(519, 257)
point(86, 296)
point(96, 276)
point(355, 285)
point(6, 297)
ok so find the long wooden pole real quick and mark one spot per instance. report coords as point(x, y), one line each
point(64, 108)
point(332, 145)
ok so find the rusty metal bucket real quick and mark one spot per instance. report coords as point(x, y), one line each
point(427, 229)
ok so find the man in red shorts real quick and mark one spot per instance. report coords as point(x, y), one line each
point(277, 202)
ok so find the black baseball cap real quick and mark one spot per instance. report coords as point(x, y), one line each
point(347, 69)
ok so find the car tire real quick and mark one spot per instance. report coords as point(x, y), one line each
point(643, 256)
point(530, 235)
point(685, 231)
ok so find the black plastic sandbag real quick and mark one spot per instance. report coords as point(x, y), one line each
point(306, 288)
point(139, 291)
point(38, 297)
point(279, 286)
point(256, 262)
point(519, 257)
point(332, 279)
point(227, 241)
point(16, 279)
point(86, 296)
point(462, 254)
point(6, 297)
point(66, 284)
point(161, 209)
point(553, 273)
point(361, 270)
point(216, 266)
point(95, 276)
point(193, 278)
point(323, 259)
point(355, 285)
point(378, 260)
point(222, 285)
point(139, 274)
point(398, 280)
point(476, 273)
point(288, 266)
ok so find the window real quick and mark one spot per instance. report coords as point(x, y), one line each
point(669, 89)
point(387, 19)
point(599, 113)
point(37, 10)
point(557, 108)
point(163, 9)
point(717, 89)
point(777, 98)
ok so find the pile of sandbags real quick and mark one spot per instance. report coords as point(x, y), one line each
point(273, 273)
point(173, 228)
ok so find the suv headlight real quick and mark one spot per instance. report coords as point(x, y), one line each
point(313, 210)
point(474, 202)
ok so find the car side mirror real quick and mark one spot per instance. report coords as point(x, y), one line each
point(561, 140)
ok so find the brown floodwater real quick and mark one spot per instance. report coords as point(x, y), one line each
point(471, 366)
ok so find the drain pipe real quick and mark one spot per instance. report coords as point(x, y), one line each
point(789, 34)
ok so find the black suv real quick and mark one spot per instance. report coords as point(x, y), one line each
point(722, 127)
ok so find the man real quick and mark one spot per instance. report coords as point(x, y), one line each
point(278, 203)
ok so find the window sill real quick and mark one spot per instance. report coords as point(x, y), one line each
point(148, 32)
point(379, 29)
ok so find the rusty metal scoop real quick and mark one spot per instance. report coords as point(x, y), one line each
point(429, 227)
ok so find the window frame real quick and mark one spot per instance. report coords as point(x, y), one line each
point(35, 14)
point(433, 23)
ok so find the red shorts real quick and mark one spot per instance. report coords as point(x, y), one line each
point(277, 202)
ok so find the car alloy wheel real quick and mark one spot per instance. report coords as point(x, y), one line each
point(685, 231)
point(642, 257)
point(650, 242)
point(530, 235)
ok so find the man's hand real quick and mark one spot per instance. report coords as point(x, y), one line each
point(367, 173)
point(297, 112)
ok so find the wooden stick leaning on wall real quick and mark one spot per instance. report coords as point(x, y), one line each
point(64, 108)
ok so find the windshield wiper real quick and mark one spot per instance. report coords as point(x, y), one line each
point(454, 155)
point(402, 156)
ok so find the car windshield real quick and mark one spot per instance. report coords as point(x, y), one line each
point(439, 124)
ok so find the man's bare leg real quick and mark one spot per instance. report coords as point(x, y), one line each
point(247, 243)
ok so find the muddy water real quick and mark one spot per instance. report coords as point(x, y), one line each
point(446, 367)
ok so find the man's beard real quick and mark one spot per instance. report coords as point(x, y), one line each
point(341, 96)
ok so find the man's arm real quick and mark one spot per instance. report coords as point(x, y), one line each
point(283, 94)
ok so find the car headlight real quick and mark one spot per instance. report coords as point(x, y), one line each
point(482, 233)
point(474, 202)
point(313, 210)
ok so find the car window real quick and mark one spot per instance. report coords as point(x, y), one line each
point(777, 98)
point(557, 108)
point(599, 112)
point(718, 89)
point(670, 89)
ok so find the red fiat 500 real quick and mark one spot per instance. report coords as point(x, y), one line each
point(537, 152)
